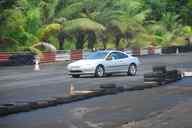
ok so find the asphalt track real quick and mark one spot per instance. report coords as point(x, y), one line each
point(168, 106)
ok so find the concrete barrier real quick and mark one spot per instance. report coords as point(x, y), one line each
point(4, 56)
point(144, 52)
point(48, 57)
point(158, 51)
point(151, 50)
point(79, 54)
point(62, 57)
point(136, 51)
point(76, 54)
point(128, 51)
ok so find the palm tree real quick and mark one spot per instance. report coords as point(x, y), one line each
point(79, 27)
point(128, 20)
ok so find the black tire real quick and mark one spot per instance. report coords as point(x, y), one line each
point(159, 69)
point(99, 71)
point(132, 70)
point(75, 76)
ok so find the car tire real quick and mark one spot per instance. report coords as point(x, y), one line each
point(132, 70)
point(99, 71)
point(75, 76)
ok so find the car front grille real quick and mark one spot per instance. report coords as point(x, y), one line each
point(75, 71)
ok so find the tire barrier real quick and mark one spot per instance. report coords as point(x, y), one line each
point(159, 69)
point(15, 59)
point(18, 59)
point(173, 49)
point(80, 54)
point(21, 59)
point(105, 89)
point(169, 50)
point(161, 76)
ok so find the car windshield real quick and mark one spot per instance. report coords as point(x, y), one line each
point(97, 55)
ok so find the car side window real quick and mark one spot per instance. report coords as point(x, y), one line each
point(112, 56)
point(121, 55)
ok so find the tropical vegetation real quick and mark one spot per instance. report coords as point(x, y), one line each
point(88, 24)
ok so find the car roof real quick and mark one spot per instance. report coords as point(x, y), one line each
point(109, 51)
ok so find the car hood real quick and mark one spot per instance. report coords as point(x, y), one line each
point(85, 62)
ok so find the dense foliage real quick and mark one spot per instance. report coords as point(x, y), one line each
point(70, 24)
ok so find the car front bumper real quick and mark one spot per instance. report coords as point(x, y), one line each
point(81, 71)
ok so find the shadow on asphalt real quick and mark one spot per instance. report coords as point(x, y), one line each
point(108, 76)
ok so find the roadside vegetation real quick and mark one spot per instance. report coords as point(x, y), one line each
point(88, 24)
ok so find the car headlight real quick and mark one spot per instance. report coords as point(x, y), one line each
point(68, 67)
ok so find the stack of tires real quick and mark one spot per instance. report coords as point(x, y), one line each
point(21, 59)
point(161, 76)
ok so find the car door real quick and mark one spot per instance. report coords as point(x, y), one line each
point(111, 63)
point(122, 61)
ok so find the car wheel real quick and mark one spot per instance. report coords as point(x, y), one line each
point(75, 76)
point(99, 72)
point(132, 70)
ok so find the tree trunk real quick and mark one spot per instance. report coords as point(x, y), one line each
point(91, 40)
point(117, 40)
point(79, 40)
point(104, 44)
point(128, 35)
point(103, 40)
point(61, 39)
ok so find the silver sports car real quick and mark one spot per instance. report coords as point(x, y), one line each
point(103, 63)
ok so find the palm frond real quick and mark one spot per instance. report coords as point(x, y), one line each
point(82, 24)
